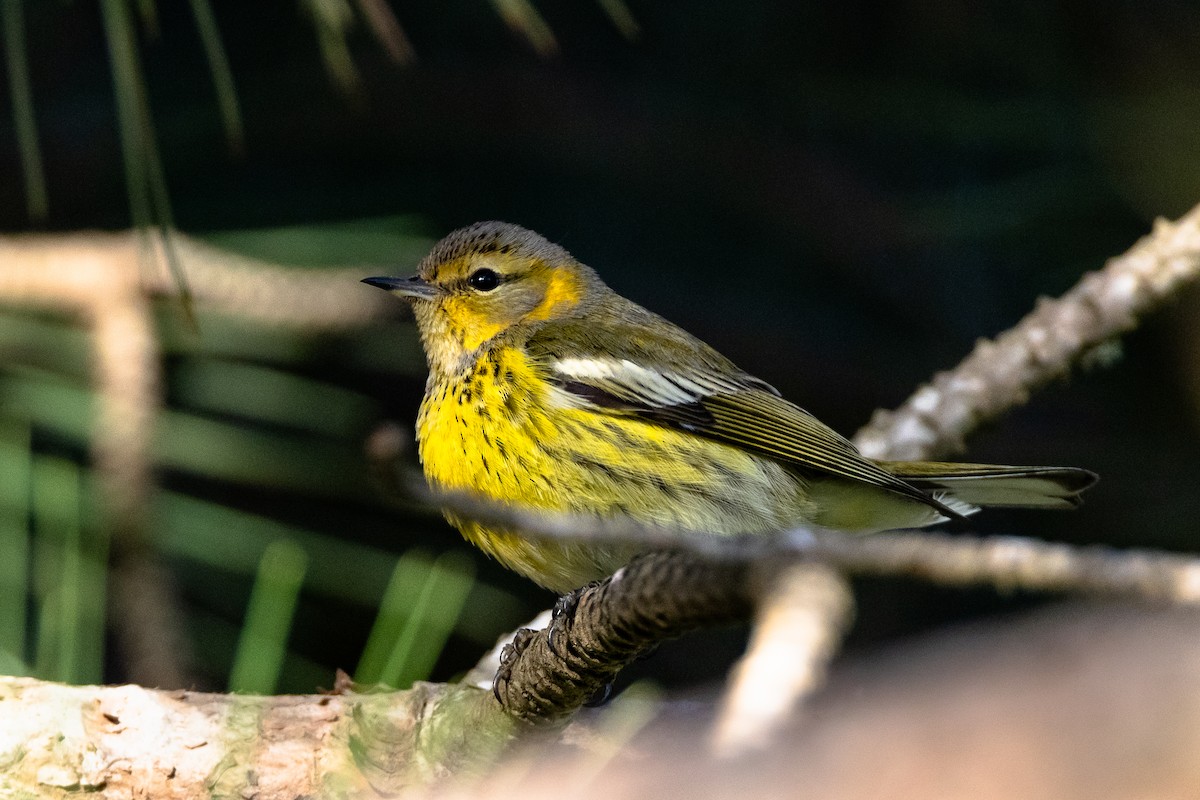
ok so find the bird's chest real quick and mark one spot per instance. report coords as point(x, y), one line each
point(483, 428)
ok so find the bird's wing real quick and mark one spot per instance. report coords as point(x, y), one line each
point(723, 404)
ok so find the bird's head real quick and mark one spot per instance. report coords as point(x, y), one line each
point(484, 280)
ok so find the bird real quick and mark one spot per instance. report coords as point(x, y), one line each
point(547, 390)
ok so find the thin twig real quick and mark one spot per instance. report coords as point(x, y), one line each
point(999, 374)
point(1007, 562)
point(551, 672)
point(798, 627)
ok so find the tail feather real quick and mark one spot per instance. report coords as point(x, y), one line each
point(996, 486)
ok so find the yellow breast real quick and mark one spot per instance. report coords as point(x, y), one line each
point(501, 429)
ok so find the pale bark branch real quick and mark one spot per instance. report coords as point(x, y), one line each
point(798, 627)
point(1008, 562)
point(1000, 373)
point(129, 742)
point(95, 277)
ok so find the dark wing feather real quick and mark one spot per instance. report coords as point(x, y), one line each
point(751, 419)
point(612, 366)
point(773, 427)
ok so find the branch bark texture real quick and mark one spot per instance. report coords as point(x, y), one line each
point(115, 742)
point(549, 674)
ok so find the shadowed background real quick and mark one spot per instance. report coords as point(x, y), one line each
point(840, 197)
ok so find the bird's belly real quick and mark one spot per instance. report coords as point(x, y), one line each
point(506, 439)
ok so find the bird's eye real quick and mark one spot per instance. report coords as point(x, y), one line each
point(484, 280)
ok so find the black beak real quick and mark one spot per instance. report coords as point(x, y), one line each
point(405, 287)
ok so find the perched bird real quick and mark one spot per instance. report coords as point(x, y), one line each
point(549, 390)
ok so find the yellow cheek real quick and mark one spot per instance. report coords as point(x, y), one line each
point(480, 332)
point(562, 293)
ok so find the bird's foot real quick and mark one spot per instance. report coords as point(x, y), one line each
point(508, 659)
point(562, 618)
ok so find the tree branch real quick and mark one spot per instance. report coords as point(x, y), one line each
point(798, 627)
point(130, 742)
point(1000, 374)
point(550, 673)
point(697, 579)
point(1008, 562)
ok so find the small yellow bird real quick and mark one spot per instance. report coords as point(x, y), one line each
point(549, 390)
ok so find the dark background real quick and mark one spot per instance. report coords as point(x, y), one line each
point(842, 197)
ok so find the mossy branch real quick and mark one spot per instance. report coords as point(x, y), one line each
point(127, 741)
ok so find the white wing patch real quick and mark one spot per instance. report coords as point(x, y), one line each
point(632, 381)
point(737, 410)
point(954, 504)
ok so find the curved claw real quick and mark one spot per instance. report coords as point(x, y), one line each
point(600, 697)
point(508, 659)
point(562, 617)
